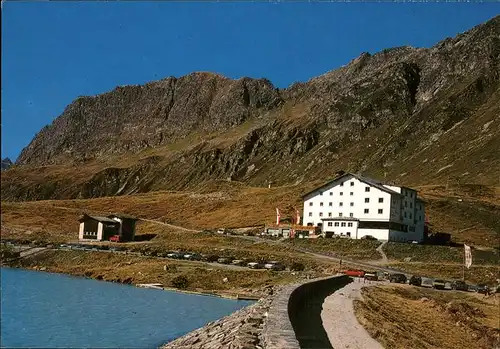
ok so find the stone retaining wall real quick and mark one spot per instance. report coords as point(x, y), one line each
point(240, 330)
point(294, 319)
point(289, 319)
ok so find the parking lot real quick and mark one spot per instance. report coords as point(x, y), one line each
point(225, 261)
point(422, 281)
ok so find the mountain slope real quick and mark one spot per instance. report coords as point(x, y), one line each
point(6, 163)
point(411, 116)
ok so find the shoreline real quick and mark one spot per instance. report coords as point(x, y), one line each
point(225, 295)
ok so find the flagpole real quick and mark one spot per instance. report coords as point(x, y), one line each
point(465, 261)
point(463, 270)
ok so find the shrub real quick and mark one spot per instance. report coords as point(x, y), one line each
point(171, 268)
point(212, 258)
point(297, 266)
point(180, 282)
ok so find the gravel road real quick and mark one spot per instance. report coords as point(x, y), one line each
point(340, 323)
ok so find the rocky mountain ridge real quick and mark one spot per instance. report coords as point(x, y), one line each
point(412, 115)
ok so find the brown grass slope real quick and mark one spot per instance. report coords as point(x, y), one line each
point(475, 219)
point(411, 317)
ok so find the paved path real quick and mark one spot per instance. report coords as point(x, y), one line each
point(340, 323)
point(380, 249)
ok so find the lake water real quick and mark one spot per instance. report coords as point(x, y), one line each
point(51, 310)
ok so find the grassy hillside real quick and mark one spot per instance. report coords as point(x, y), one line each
point(401, 317)
point(475, 219)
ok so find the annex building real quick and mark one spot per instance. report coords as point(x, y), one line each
point(100, 228)
point(354, 206)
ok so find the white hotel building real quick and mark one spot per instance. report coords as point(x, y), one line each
point(354, 206)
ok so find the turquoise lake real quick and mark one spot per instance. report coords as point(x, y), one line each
point(57, 311)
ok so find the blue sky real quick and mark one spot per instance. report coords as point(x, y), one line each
point(53, 52)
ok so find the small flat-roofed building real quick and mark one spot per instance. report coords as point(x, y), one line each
point(291, 230)
point(101, 228)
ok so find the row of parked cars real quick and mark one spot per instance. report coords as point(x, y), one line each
point(271, 265)
point(421, 281)
point(85, 247)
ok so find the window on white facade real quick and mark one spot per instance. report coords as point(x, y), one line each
point(329, 214)
point(367, 189)
point(340, 214)
point(331, 193)
point(341, 184)
point(336, 224)
point(367, 200)
point(310, 204)
point(352, 204)
point(330, 204)
point(348, 234)
point(341, 204)
point(351, 214)
point(351, 193)
point(330, 224)
point(321, 214)
point(352, 184)
point(367, 210)
point(310, 214)
point(342, 224)
point(380, 199)
point(321, 204)
point(349, 224)
point(341, 193)
point(380, 211)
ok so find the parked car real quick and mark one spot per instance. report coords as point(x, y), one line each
point(274, 265)
point(115, 238)
point(482, 288)
point(354, 272)
point(398, 278)
point(255, 265)
point(239, 262)
point(224, 260)
point(176, 255)
point(278, 267)
point(415, 280)
point(371, 275)
point(439, 284)
point(459, 285)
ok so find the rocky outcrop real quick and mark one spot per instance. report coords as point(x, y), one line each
point(130, 118)
point(406, 114)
